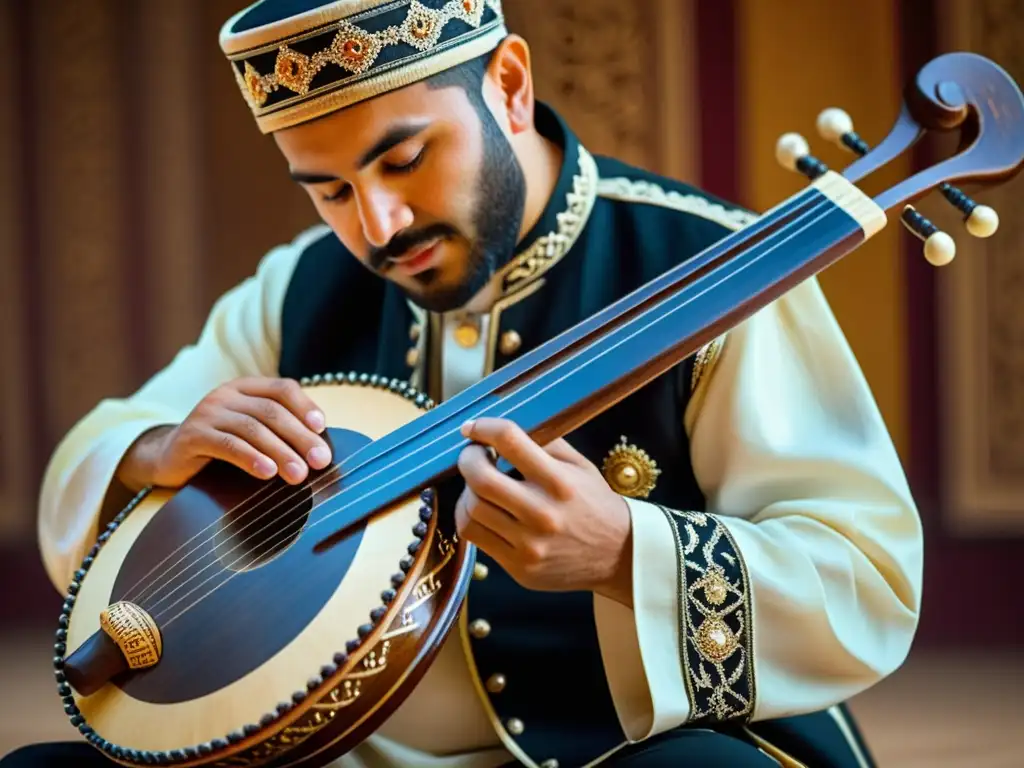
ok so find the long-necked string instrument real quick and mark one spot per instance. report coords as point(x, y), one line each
point(170, 651)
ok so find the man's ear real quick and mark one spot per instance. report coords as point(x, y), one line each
point(510, 82)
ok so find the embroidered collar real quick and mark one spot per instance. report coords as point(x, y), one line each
point(559, 225)
point(565, 215)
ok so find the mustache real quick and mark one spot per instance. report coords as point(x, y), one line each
point(405, 241)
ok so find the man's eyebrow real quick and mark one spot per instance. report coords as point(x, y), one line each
point(311, 178)
point(393, 137)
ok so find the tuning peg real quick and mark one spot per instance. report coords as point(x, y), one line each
point(836, 126)
point(794, 154)
point(939, 248)
point(979, 220)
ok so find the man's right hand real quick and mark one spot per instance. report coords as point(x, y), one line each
point(263, 426)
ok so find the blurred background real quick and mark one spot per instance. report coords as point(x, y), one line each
point(135, 188)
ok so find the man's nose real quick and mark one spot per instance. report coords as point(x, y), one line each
point(383, 214)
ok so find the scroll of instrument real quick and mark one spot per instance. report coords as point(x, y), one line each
point(235, 622)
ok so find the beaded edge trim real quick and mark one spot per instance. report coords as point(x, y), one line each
point(208, 749)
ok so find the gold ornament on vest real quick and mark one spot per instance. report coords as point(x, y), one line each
point(630, 471)
point(467, 332)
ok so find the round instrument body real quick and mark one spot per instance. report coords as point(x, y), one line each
point(270, 653)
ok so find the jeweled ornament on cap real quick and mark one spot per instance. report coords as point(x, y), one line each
point(297, 60)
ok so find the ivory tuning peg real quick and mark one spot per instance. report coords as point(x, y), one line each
point(979, 220)
point(794, 154)
point(836, 126)
point(939, 248)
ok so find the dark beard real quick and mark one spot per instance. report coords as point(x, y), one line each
point(500, 200)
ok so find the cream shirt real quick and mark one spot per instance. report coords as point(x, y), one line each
point(788, 447)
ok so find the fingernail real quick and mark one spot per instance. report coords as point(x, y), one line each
point(294, 471)
point(467, 427)
point(318, 457)
point(315, 419)
point(265, 468)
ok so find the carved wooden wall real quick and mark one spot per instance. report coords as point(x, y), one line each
point(135, 188)
point(620, 73)
point(981, 343)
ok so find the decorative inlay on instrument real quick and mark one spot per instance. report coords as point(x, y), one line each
point(169, 650)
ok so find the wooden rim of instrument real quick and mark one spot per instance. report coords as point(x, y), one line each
point(435, 548)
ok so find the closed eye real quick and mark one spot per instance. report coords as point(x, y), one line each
point(341, 194)
point(344, 191)
point(406, 167)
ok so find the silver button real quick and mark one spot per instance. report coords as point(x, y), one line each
point(515, 726)
point(479, 628)
point(480, 571)
point(552, 763)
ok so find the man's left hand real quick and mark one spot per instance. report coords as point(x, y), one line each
point(560, 528)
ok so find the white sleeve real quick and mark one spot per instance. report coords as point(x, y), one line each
point(799, 586)
point(241, 337)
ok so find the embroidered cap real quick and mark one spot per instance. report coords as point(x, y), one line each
point(296, 60)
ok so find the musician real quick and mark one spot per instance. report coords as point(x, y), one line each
point(702, 575)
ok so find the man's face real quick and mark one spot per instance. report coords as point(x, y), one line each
point(422, 188)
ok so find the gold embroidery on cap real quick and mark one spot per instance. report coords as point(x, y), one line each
point(355, 50)
point(253, 85)
point(630, 471)
point(422, 27)
point(291, 70)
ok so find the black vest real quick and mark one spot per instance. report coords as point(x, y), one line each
point(338, 317)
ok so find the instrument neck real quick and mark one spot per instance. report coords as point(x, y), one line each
point(574, 377)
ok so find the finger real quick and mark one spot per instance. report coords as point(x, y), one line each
point(561, 450)
point(261, 438)
point(204, 441)
point(492, 518)
point(286, 425)
point(290, 394)
point(516, 447)
point(485, 538)
point(487, 482)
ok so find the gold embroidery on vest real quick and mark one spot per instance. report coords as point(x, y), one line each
point(640, 191)
point(547, 250)
point(704, 361)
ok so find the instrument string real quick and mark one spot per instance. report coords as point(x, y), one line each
point(777, 240)
point(130, 593)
